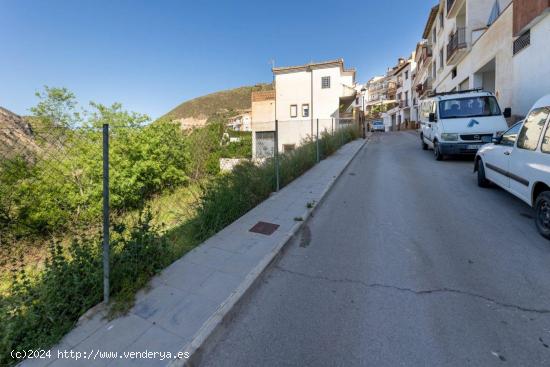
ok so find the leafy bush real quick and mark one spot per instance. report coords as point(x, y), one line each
point(38, 312)
point(238, 149)
point(60, 187)
point(229, 196)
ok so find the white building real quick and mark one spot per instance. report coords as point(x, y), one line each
point(474, 40)
point(241, 122)
point(313, 91)
point(530, 61)
point(500, 46)
point(381, 97)
point(496, 45)
point(404, 93)
point(425, 72)
point(314, 94)
point(399, 94)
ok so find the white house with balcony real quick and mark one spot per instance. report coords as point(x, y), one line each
point(425, 71)
point(319, 94)
point(314, 90)
point(241, 122)
point(404, 96)
point(499, 46)
point(472, 47)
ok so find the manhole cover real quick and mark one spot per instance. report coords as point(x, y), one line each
point(264, 228)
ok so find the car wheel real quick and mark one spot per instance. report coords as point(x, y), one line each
point(437, 151)
point(424, 145)
point(542, 211)
point(482, 180)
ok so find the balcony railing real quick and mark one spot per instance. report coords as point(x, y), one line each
point(522, 41)
point(457, 41)
point(426, 52)
point(425, 87)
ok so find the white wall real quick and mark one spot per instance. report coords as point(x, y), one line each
point(292, 88)
point(326, 102)
point(295, 88)
point(531, 69)
point(495, 43)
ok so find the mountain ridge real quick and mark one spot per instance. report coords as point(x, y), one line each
point(198, 111)
point(16, 135)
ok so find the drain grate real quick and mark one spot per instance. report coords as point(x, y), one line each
point(264, 228)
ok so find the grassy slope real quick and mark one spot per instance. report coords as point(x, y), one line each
point(218, 102)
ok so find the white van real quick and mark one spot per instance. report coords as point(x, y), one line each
point(459, 123)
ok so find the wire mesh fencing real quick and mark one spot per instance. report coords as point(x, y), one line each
point(296, 145)
point(90, 212)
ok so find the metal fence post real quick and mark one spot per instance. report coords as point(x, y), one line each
point(277, 155)
point(317, 141)
point(106, 213)
point(341, 132)
point(332, 126)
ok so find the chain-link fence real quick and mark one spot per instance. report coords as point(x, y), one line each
point(296, 145)
point(92, 211)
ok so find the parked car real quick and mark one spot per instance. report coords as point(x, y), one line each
point(459, 123)
point(378, 125)
point(519, 162)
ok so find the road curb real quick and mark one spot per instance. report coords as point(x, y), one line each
point(206, 336)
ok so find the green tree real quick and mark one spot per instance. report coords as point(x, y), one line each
point(57, 108)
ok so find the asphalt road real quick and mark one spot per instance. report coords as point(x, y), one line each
point(406, 263)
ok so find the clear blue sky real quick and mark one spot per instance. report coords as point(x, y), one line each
point(153, 55)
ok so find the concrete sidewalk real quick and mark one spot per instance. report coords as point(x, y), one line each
point(185, 305)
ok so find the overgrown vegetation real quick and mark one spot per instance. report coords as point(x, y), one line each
point(167, 195)
point(39, 311)
point(228, 197)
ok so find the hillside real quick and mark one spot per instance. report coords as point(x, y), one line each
point(16, 137)
point(197, 111)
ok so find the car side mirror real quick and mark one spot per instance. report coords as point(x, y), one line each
point(431, 117)
point(507, 112)
point(497, 139)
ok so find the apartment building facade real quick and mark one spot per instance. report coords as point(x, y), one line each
point(404, 94)
point(313, 91)
point(472, 40)
point(398, 114)
point(425, 65)
point(497, 45)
